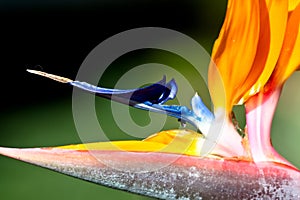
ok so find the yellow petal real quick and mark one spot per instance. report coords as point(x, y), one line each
point(293, 4)
point(185, 142)
point(289, 59)
point(235, 49)
point(273, 25)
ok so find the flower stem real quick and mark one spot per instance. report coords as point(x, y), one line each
point(260, 110)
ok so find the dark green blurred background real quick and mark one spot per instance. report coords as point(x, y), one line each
point(58, 35)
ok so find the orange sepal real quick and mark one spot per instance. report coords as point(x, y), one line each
point(289, 59)
point(273, 22)
point(232, 53)
point(293, 4)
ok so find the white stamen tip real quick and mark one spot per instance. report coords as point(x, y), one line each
point(51, 76)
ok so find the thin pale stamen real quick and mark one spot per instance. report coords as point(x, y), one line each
point(51, 76)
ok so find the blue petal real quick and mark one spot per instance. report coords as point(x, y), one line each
point(153, 97)
point(200, 109)
point(149, 98)
point(157, 93)
point(183, 113)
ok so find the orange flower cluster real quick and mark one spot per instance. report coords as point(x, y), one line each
point(256, 49)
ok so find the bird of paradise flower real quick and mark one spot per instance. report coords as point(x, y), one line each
point(255, 53)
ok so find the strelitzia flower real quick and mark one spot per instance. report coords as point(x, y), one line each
point(261, 46)
point(255, 53)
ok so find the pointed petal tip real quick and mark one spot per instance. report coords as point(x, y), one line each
point(29, 155)
point(49, 157)
point(9, 152)
point(17, 153)
point(51, 76)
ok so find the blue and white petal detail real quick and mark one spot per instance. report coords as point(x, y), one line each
point(150, 98)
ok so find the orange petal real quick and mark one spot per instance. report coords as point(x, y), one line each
point(261, 56)
point(289, 59)
point(235, 49)
point(293, 4)
point(273, 25)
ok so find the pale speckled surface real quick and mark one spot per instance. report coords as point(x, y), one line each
point(170, 176)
